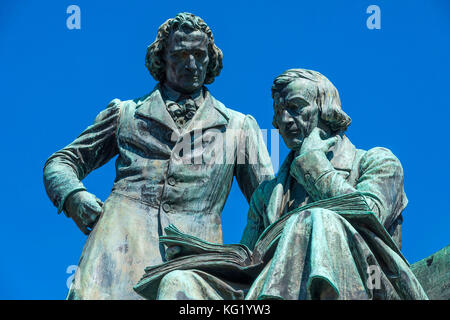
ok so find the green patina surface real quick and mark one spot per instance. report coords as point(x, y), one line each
point(433, 273)
point(320, 254)
point(165, 176)
point(173, 165)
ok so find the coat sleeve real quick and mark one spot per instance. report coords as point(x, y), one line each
point(65, 169)
point(255, 223)
point(253, 164)
point(380, 180)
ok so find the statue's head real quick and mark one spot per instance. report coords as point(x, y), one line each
point(184, 55)
point(303, 100)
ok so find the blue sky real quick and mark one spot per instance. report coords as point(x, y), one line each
point(393, 83)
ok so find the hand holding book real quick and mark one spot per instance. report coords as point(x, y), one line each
point(236, 262)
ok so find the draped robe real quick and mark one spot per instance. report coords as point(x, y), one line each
point(320, 254)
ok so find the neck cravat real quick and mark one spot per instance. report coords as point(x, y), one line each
point(182, 111)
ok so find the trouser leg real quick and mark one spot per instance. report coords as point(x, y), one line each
point(196, 285)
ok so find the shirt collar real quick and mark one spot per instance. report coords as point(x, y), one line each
point(172, 95)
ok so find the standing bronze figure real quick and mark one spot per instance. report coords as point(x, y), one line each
point(173, 165)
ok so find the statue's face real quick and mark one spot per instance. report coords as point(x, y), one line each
point(296, 112)
point(186, 58)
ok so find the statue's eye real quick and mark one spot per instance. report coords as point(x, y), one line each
point(292, 108)
point(180, 54)
point(199, 54)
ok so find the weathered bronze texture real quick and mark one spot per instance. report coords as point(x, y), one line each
point(166, 172)
point(321, 254)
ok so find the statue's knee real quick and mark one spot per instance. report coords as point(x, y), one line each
point(176, 278)
point(314, 213)
point(323, 213)
point(175, 285)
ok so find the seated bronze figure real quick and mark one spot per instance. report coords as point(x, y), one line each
point(320, 254)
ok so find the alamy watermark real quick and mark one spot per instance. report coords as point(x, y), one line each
point(374, 20)
point(374, 277)
point(226, 147)
point(74, 20)
point(72, 270)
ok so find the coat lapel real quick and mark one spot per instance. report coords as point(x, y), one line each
point(280, 192)
point(342, 160)
point(154, 108)
point(210, 114)
point(343, 155)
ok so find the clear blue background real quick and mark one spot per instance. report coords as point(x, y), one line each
point(393, 82)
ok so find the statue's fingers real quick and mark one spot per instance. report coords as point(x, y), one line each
point(93, 220)
point(83, 214)
point(172, 252)
point(82, 226)
point(318, 132)
point(91, 216)
point(91, 212)
point(322, 133)
point(331, 141)
point(88, 221)
point(100, 202)
point(93, 205)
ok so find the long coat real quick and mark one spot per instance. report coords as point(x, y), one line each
point(321, 254)
point(164, 175)
point(318, 248)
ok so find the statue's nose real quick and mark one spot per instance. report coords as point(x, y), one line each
point(190, 65)
point(286, 117)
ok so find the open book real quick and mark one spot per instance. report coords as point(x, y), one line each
point(236, 262)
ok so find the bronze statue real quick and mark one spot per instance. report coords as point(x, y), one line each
point(321, 254)
point(174, 164)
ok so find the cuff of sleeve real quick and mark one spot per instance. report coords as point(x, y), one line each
point(308, 168)
point(64, 197)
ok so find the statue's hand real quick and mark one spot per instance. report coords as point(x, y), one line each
point(318, 140)
point(173, 252)
point(85, 209)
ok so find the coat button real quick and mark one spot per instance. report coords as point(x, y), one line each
point(171, 181)
point(166, 207)
point(307, 177)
